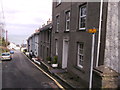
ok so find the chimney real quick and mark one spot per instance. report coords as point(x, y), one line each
point(36, 31)
point(43, 25)
point(49, 21)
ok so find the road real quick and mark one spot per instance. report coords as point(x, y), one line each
point(21, 73)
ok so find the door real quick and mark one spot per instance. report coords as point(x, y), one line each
point(65, 53)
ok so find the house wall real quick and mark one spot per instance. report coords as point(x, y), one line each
point(36, 44)
point(45, 43)
point(75, 35)
point(112, 37)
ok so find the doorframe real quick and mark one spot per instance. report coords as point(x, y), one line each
point(63, 55)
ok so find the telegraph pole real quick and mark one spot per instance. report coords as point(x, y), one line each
point(92, 31)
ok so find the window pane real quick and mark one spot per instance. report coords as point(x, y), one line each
point(57, 23)
point(83, 11)
point(80, 54)
point(82, 17)
point(68, 24)
point(68, 20)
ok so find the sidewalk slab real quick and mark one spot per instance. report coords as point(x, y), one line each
point(70, 80)
point(64, 76)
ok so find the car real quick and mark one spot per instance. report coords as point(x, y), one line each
point(11, 52)
point(6, 56)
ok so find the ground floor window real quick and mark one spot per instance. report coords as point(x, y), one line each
point(80, 54)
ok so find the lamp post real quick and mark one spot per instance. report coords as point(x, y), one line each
point(92, 31)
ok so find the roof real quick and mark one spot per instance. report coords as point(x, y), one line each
point(46, 27)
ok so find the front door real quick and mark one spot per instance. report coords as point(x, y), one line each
point(65, 53)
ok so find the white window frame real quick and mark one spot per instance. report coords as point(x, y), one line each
point(59, 1)
point(67, 20)
point(79, 54)
point(57, 22)
point(56, 47)
point(83, 16)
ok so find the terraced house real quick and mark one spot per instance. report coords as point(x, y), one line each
point(72, 43)
point(45, 41)
point(79, 52)
point(33, 43)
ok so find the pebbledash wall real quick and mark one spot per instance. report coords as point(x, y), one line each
point(112, 46)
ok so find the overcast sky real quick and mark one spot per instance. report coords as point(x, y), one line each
point(23, 17)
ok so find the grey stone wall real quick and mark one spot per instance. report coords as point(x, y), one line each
point(111, 47)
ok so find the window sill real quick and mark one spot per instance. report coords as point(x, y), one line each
point(81, 30)
point(56, 32)
point(80, 69)
point(66, 31)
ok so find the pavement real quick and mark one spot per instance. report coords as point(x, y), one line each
point(61, 74)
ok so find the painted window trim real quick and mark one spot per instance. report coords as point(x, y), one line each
point(57, 23)
point(58, 2)
point(82, 17)
point(78, 54)
point(67, 20)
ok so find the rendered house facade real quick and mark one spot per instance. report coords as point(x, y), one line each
point(33, 44)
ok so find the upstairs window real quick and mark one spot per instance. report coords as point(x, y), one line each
point(57, 23)
point(59, 1)
point(82, 18)
point(67, 20)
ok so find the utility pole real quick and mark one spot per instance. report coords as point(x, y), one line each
point(92, 31)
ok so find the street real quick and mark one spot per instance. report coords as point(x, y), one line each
point(21, 73)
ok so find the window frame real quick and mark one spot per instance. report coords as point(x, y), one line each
point(83, 16)
point(57, 23)
point(58, 2)
point(79, 54)
point(67, 20)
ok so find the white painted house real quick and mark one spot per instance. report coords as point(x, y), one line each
point(33, 42)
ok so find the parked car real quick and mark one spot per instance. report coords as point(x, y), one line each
point(11, 52)
point(6, 56)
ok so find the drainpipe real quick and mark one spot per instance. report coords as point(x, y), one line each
point(92, 58)
point(99, 34)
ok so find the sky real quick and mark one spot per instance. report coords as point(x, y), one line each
point(23, 17)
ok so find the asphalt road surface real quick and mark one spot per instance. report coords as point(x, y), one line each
point(21, 73)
